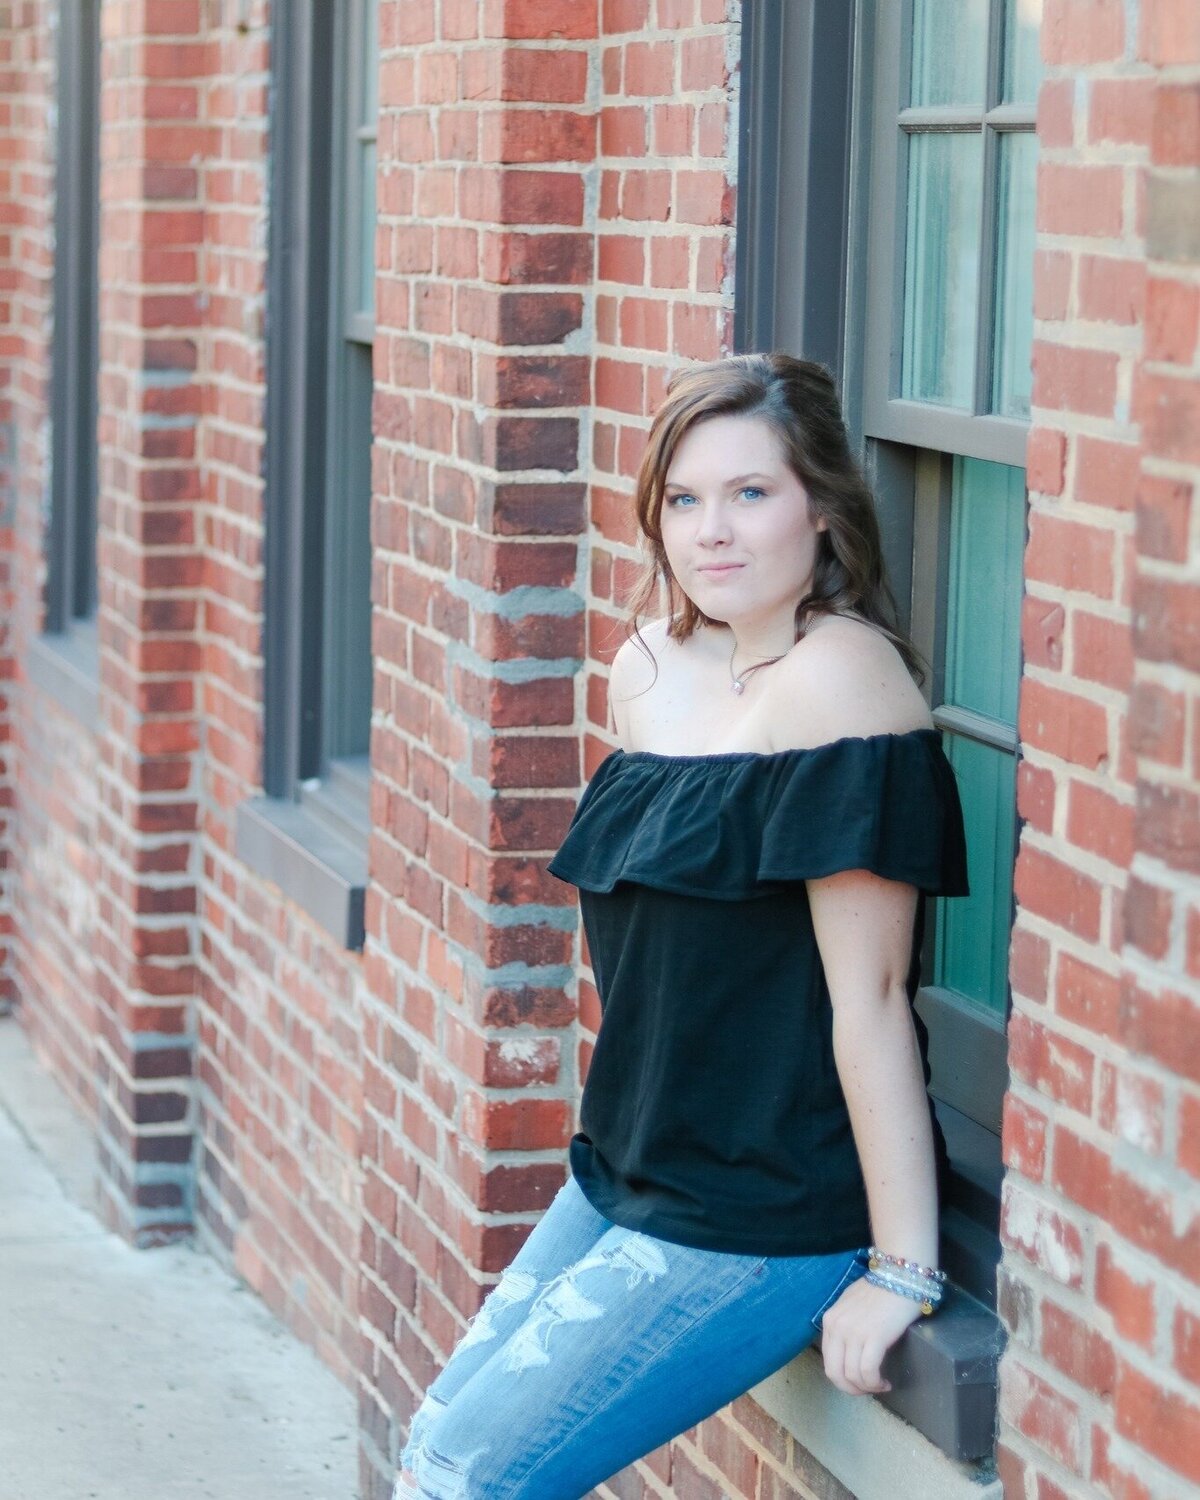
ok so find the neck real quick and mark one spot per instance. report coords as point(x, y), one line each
point(751, 642)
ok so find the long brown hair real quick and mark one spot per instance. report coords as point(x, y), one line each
point(797, 398)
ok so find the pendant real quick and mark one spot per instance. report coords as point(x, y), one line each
point(738, 686)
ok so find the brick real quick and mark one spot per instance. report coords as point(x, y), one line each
point(1175, 140)
point(1147, 913)
point(540, 20)
point(1163, 1025)
point(1077, 380)
point(1058, 1068)
point(1163, 514)
point(1070, 555)
point(1080, 200)
point(1111, 290)
point(1063, 724)
point(1029, 964)
point(1084, 1355)
point(1052, 889)
point(1042, 625)
point(1169, 32)
point(1102, 650)
point(1162, 1423)
point(1023, 1138)
point(1087, 996)
point(1172, 320)
point(1056, 115)
point(1079, 32)
point(1120, 111)
point(1168, 825)
point(1036, 795)
point(1106, 473)
point(1045, 460)
point(1039, 1412)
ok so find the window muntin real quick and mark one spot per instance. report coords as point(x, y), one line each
point(950, 307)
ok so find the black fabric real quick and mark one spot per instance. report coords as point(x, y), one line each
point(712, 1114)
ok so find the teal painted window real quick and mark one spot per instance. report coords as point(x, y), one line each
point(981, 675)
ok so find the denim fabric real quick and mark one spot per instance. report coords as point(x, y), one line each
point(597, 1346)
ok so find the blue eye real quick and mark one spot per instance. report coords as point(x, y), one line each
point(752, 489)
point(675, 499)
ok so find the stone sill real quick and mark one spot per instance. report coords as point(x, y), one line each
point(66, 666)
point(932, 1435)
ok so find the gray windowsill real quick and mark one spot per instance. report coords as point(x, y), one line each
point(315, 850)
point(66, 666)
point(943, 1373)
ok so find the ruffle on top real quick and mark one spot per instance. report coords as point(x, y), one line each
point(745, 823)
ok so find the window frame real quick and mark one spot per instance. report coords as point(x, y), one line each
point(310, 830)
point(951, 1362)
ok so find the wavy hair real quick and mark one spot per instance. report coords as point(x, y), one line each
point(797, 398)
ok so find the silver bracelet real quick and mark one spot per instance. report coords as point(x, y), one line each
point(929, 1300)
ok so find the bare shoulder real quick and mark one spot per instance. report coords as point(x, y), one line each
point(845, 678)
point(633, 671)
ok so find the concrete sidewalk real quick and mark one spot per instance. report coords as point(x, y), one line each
point(138, 1374)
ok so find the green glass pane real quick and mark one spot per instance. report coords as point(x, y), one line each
point(366, 237)
point(949, 51)
point(983, 611)
point(941, 267)
point(971, 954)
point(1022, 73)
point(1012, 377)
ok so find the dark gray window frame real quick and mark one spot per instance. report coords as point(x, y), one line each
point(64, 660)
point(803, 283)
point(309, 832)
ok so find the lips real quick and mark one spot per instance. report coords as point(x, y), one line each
point(718, 570)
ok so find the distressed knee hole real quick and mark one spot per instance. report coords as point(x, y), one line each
point(636, 1253)
point(513, 1287)
point(442, 1478)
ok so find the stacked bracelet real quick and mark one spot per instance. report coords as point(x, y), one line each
point(906, 1278)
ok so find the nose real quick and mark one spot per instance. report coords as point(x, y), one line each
point(713, 529)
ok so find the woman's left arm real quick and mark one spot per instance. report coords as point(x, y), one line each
point(864, 928)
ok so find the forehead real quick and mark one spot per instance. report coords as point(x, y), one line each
point(726, 445)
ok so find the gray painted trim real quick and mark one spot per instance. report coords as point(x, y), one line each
point(71, 532)
point(297, 311)
point(67, 667)
point(999, 439)
point(791, 241)
point(310, 863)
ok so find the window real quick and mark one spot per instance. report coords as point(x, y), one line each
point(948, 272)
point(66, 662)
point(309, 833)
point(886, 228)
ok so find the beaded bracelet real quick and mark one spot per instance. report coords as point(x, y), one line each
point(928, 1300)
point(879, 1256)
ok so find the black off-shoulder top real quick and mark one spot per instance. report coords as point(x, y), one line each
point(712, 1114)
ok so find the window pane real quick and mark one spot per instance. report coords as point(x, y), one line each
point(973, 931)
point(366, 231)
point(1022, 57)
point(1012, 376)
point(941, 267)
point(949, 51)
point(983, 614)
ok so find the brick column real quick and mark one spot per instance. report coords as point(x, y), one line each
point(483, 259)
point(150, 394)
point(1100, 1280)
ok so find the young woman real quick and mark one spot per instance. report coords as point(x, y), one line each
point(758, 1160)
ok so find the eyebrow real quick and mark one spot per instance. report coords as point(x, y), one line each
point(741, 479)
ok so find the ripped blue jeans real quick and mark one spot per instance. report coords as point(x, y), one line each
point(598, 1345)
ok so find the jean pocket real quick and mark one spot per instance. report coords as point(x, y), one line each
point(853, 1271)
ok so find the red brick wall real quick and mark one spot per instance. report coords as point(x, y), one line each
point(49, 761)
point(367, 1138)
point(1101, 1279)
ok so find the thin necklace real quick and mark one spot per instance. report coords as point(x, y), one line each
point(738, 683)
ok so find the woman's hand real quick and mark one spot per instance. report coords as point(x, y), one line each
point(858, 1330)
